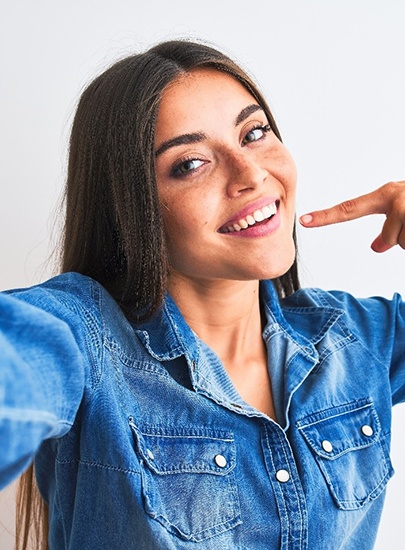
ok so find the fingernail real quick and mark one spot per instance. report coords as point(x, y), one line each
point(306, 219)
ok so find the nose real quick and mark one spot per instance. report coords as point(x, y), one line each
point(245, 173)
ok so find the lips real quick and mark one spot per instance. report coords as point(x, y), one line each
point(255, 217)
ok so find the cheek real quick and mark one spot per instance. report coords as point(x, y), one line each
point(282, 166)
point(185, 214)
point(289, 175)
point(180, 224)
point(172, 224)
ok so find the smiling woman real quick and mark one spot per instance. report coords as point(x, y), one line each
point(219, 168)
point(174, 374)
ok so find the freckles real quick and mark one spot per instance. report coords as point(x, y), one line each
point(282, 158)
point(288, 171)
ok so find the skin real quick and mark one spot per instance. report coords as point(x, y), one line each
point(228, 176)
point(214, 275)
point(215, 163)
point(388, 199)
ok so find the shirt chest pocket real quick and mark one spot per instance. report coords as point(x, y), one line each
point(188, 479)
point(349, 447)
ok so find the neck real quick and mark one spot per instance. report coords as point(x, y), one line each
point(224, 314)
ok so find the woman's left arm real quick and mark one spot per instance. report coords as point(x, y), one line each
point(388, 199)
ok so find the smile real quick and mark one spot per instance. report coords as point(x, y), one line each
point(256, 217)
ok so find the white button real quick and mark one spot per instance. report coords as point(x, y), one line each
point(282, 476)
point(327, 446)
point(367, 430)
point(220, 461)
point(150, 454)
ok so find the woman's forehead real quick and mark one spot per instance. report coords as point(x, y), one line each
point(199, 81)
point(200, 97)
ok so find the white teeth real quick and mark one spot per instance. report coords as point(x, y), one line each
point(257, 216)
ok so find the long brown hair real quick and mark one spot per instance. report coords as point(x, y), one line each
point(113, 229)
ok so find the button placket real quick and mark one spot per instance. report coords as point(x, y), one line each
point(286, 484)
point(282, 476)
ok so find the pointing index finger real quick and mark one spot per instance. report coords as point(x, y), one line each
point(371, 203)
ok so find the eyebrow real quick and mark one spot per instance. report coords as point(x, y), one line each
point(184, 139)
point(246, 112)
point(198, 137)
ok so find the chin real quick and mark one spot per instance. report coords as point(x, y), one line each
point(278, 265)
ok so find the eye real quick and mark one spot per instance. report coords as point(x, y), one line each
point(255, 134)
point(186, 167)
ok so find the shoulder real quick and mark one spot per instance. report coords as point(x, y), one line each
point(341, 300)
point(72, 298)
point(68, 305)
point(376, 320)
point(66, 287)
point(70, 291)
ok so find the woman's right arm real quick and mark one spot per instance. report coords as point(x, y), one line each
point(42, 372)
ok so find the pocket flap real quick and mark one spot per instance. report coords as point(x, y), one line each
point(338, 430)
point(188, 450)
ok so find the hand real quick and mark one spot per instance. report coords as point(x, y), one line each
point(388, 199)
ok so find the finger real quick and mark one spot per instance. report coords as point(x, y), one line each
point(371, 203)
point(401, 240)
point(378, 245)
point(389, 236)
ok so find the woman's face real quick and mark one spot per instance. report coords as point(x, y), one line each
point(225, 182)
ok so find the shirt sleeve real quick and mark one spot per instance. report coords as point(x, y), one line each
point(381, 325)
point(42, 375)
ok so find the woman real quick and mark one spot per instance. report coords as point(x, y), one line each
point(170, 400)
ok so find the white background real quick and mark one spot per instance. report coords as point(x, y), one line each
point(333, 72)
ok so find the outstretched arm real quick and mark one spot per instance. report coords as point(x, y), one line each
point(388, 199)
point(41, 380)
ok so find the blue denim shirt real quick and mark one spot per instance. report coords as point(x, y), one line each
point(141, 441)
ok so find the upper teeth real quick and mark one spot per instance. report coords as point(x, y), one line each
point(251, 219)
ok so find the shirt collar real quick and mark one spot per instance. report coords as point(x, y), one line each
point(302, 320)
point(167, 335)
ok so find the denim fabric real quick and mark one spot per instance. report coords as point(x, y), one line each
point(142, 442)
